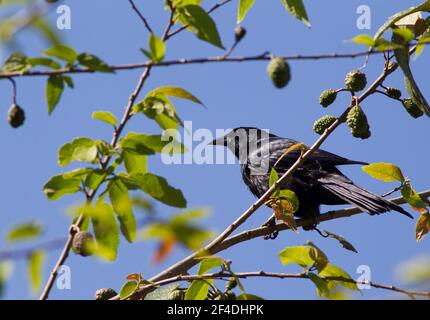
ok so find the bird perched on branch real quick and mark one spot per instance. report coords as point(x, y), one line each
point(318, 181)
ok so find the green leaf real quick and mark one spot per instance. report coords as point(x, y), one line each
point(404, 35)
point(172, 91)
point(334, 271)
point(106, 230)
point(118, 194)
point(364, 39)
point(95, 178)
point(158, 188)
point(321, 285)
point(201, 23)
point(134, 163)
point(297, 9)
point(298, 255)
point(209, 264)
point(247, 296)
point(162, 293)
point(318, 256)
point(68, 81)
point(17, 62)
point(412, 197)
point(24, 232)
point(149, 144)
point(42, 61)
point(386, 172)
point(128, 289)
point(425, 6)
point(54, 90)
point(291, 197)
point(274, 176)
point(244, 6)
point(105, 116)
point(62, 52)
point(60, 185)
point(6, 271)
point(35, 265)
point(157, 49)
point(198, 290)
point(93, 63)
point(80, 149)
point(345, 244)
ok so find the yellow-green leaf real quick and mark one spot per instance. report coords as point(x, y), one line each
point(244, 6)
point(24, 232)
point(298, 255)
point(297, 9)
point(105, 116)
point(198, 290)
point(423, 226)
point(386, 172)
point(35, 265)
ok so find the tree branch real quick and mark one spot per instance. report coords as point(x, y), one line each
point(141, 16)
point(257, 274)
point(183, 61)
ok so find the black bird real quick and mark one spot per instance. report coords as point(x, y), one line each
point(317, 182)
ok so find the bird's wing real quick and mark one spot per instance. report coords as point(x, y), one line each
point(284, 159)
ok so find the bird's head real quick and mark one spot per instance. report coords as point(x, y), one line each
point(242, 140)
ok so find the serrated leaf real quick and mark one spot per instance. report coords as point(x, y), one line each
point(162, 293)
point(248, 296)
point(80, 149)
point(201, 23)
point(320, 284)
point(244, 6)
point(423, 226)
point(364, 39)
point(158, 188)
point(106, 230)
point(118, 194)
point(54, 90)
point(297, 9)
point(345, 244)
point(172, 91)
point(157, 48)
point(134, 163)
point(24, 232)
point(149, 144)
point(128, 289)
point(93, 63)
point(274, 176)
point(413, 198)
point(34, 269)
point(62, 52)
point(298, 255)
point(17, 62)
point(210, 263)
point(334, 271)
point(198, 290)
point(386, 172)
point(105, 116)
point(42, 61)
point(58, 186)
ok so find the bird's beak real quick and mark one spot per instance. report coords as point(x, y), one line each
point(217, 142)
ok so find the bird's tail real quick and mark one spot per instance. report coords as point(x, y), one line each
point(359, 197)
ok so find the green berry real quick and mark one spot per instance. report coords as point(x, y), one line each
point(412, 108)
point(231, 284)
point(105, 294)
point(239, 33)
point(357, 122)
point(323, 124)
point(83, 243)
point(355, 81)
point(16, 116)
point(327, 97)
point(279, 72)
point(393, 93)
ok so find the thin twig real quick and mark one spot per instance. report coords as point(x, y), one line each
point(141, 16)
point(183, 61)
point(25, 253)
point(278, 275)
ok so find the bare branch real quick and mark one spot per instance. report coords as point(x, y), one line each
point(141, 16)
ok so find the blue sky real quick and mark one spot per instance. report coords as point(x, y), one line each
point(238, 94)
